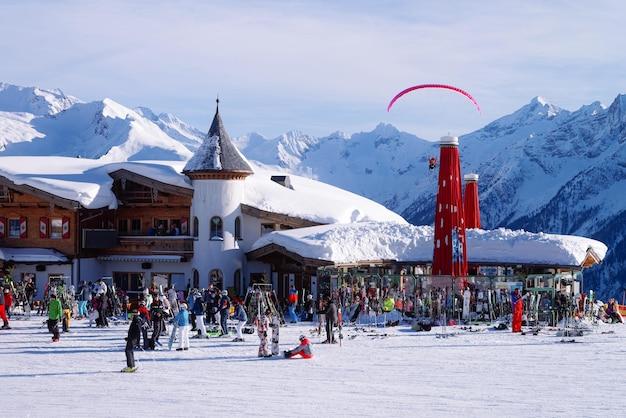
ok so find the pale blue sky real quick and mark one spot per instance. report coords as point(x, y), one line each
point(317, 66)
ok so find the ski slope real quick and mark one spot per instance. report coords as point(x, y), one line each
point(489, 373)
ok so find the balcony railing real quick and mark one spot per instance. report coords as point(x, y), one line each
point(176, 245)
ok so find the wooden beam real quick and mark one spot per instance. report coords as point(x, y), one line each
point(278, 218)
point(272, 249)
point(148, 182)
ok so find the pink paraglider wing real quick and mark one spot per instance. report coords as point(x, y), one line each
point(432, 86)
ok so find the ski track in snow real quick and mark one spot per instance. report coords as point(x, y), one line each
point(491, 373)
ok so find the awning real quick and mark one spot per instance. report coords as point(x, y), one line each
point(142, 258)
point(32, 255)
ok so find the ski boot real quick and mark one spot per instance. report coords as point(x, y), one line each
point(129, 369)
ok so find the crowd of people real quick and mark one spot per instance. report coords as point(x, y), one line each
point(206, 313)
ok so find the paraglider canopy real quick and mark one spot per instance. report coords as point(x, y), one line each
point(433, 86)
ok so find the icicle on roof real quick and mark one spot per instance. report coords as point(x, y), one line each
point(217, 152)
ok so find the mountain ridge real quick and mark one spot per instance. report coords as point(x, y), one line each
point(542, 168)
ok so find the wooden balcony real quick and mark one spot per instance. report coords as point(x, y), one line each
point(166, 245)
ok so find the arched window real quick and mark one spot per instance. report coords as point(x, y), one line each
point(196, 279)
point(216, 278)
point(196, 227)
point(238, 229)
point(237, 282)
point(217, 229)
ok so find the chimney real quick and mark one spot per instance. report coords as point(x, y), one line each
point(449, 242)
point(470, 201)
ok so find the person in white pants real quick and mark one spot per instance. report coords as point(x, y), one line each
point(198, 310)
point(182, 320)
point(241, 317)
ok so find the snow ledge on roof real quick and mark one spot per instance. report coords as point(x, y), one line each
point(367, 241)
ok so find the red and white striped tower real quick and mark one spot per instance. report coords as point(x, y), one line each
point(450, 245)
point(471, 204)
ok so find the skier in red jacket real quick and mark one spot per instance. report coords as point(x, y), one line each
point(517, 304)
point(303, 350)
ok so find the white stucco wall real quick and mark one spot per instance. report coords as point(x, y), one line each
point(217, 198)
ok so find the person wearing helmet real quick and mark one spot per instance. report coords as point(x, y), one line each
point(55, 312)
point(303, 349)
point(224, 311)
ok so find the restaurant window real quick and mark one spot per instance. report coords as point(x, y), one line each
point(14, 228)
point(217, 229)
point(237, 282)
point(266, 228)
point(238, 229)
point(135, 226)
point(56, 228)
point(122, 226)
point(196, 279)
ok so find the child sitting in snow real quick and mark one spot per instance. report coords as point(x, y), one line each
point(303, 350)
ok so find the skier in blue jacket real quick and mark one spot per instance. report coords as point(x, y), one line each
point(241, 317)
point(182, 320)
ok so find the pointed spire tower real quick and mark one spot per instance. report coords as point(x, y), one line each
point(217, 157)
point(217, 171)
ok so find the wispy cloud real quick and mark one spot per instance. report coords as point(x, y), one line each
point(318, 66)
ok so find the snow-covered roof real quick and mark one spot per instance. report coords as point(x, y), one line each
point(88, 182)
point(312, 200)
point(83, 180)
point(32, 255)
point(368, 241)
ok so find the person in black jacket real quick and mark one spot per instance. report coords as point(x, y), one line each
point(132, 341)
point(156, 313)
point(212, 305)
point(331, 321)
point(224, 311)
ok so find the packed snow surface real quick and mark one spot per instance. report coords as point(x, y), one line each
point(390, 372)
point(88, 182)
point(367, 241)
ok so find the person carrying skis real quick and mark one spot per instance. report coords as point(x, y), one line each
point(55, 313)
point(303, 350)
point(3, 314)
point(262, 324)
point(241, 317)
point(182, 321)
point(132, 341)
point(224, 311)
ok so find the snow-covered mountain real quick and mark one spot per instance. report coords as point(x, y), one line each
point(35, 121)
point(541, 168)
